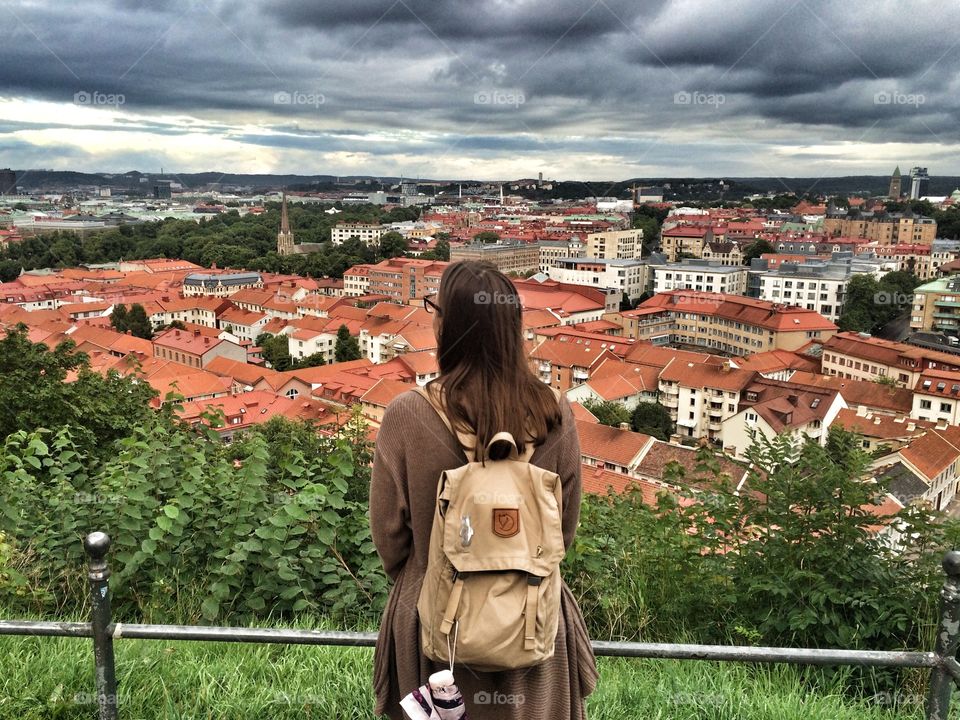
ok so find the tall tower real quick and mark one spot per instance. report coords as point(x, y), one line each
point(284, 237)
point(895, 188)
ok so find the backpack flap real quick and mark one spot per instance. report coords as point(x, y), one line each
point(511, 513)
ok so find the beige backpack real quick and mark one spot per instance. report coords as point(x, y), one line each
point(491, 594)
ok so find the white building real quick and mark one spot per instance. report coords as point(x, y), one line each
point(819, 285)
point(624, 276)
point(936, 397)
point(367, 233)
point(700, 275)
point(303, 343)
point(553, 250)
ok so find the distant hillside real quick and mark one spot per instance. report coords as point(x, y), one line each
point(700, 189)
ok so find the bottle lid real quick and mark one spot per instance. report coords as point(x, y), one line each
point(440, 679)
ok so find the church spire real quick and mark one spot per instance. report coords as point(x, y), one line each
point(285, 236)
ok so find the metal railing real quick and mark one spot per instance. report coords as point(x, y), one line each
point(942, 662)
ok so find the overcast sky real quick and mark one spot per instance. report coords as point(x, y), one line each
point(485, 89)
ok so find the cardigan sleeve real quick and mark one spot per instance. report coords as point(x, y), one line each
point(389, 495)
point(569, 468)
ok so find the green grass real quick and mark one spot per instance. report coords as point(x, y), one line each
point(53, 678)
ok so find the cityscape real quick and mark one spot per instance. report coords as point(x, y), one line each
point(734, 238)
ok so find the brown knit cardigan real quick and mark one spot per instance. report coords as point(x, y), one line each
point(413, 447)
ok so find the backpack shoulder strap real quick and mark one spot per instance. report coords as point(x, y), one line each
point(468, 441)
point(462, 439)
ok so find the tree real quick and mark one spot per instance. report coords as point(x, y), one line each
point(118, 318)
point(347, 347)
point(652, 419)
point(442, 249)
point(625, 303)
point(870, 304)
point(95, 409)
point(313, 360)
point(138, 323)
point(392, 244)
point(275, 350)
point(486, 236)
point(608, 412)
point(756, 249)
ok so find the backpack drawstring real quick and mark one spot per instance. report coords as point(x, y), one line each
point(452, 650)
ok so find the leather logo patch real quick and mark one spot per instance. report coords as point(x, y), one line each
point(506, 522)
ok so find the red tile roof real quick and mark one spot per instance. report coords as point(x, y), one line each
point(861, 392)
point(706, 375)
point(750, 311)
point(609, 444)
point(598, 480)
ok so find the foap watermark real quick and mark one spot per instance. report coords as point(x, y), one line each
point(299, 98)
point(696, 698)
point(498, 698)
point(897, 699)
point(485, 498)
point(501, 97)
point(887, 97)
point(96, 498)
point(95, 98)
point(495, 298)
point(892, 298)
point(698, 98)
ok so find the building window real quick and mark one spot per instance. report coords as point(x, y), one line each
point(945, 407)
point(924, 404)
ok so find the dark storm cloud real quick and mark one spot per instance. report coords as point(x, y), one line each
point(585, 76)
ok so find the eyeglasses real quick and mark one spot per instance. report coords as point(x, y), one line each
point(429, 305)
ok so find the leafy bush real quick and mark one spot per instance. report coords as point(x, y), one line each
point(198, 528)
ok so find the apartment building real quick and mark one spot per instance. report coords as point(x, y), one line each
point(884, 228)
point(505, 256)
point(701, 396)
point(911, 258)
point(700, 275)
point(725, 253)
point(653, 324)
point(627, 277)
point(356, 280)
point(563, 364)
point(553, 250)
point(615, 245)
point(367, 233)
point(936, 306)
point(769, 408)
point(924, 470)
point(685, 241)
point(818, 285)
point(405, 280)
point(194, 349)
point(936, 397)
point(860, 356)
point(738, 325)
point(220, 285)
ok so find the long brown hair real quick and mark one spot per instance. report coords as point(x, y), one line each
point(487, 383)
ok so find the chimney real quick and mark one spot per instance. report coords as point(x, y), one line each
point(675, 439)
point(196, 333)
point(876, 421)
point(624, 426)
point(861, 411)
point(727, 366)
point(941, 424)
point(911, 426)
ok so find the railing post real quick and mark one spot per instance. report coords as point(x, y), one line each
point(97, 544)
point(948, 638)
